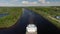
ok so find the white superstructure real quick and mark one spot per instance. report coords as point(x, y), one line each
point(31, 29)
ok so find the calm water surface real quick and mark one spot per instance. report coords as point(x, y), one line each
point(43, 25)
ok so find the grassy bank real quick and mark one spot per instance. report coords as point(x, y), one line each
point(48, 11)
point(13, 15)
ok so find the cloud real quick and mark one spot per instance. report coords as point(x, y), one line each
point(34, 2)
point(13, 0)
point(42, 1)
point(29, 3)
point(25, 2)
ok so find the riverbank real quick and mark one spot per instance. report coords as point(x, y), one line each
point(14, 14)
point(46, 12)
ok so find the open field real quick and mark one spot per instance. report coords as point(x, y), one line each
point(49, 13)
point(13, 15)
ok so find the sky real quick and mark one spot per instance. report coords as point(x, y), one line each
point(29, 2)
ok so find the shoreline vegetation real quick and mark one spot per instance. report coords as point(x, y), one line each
point(48, 13)
point(14, 14)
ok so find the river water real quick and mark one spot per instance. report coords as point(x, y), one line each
point(43, 26)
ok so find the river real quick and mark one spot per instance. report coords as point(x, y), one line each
point(43, 25)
